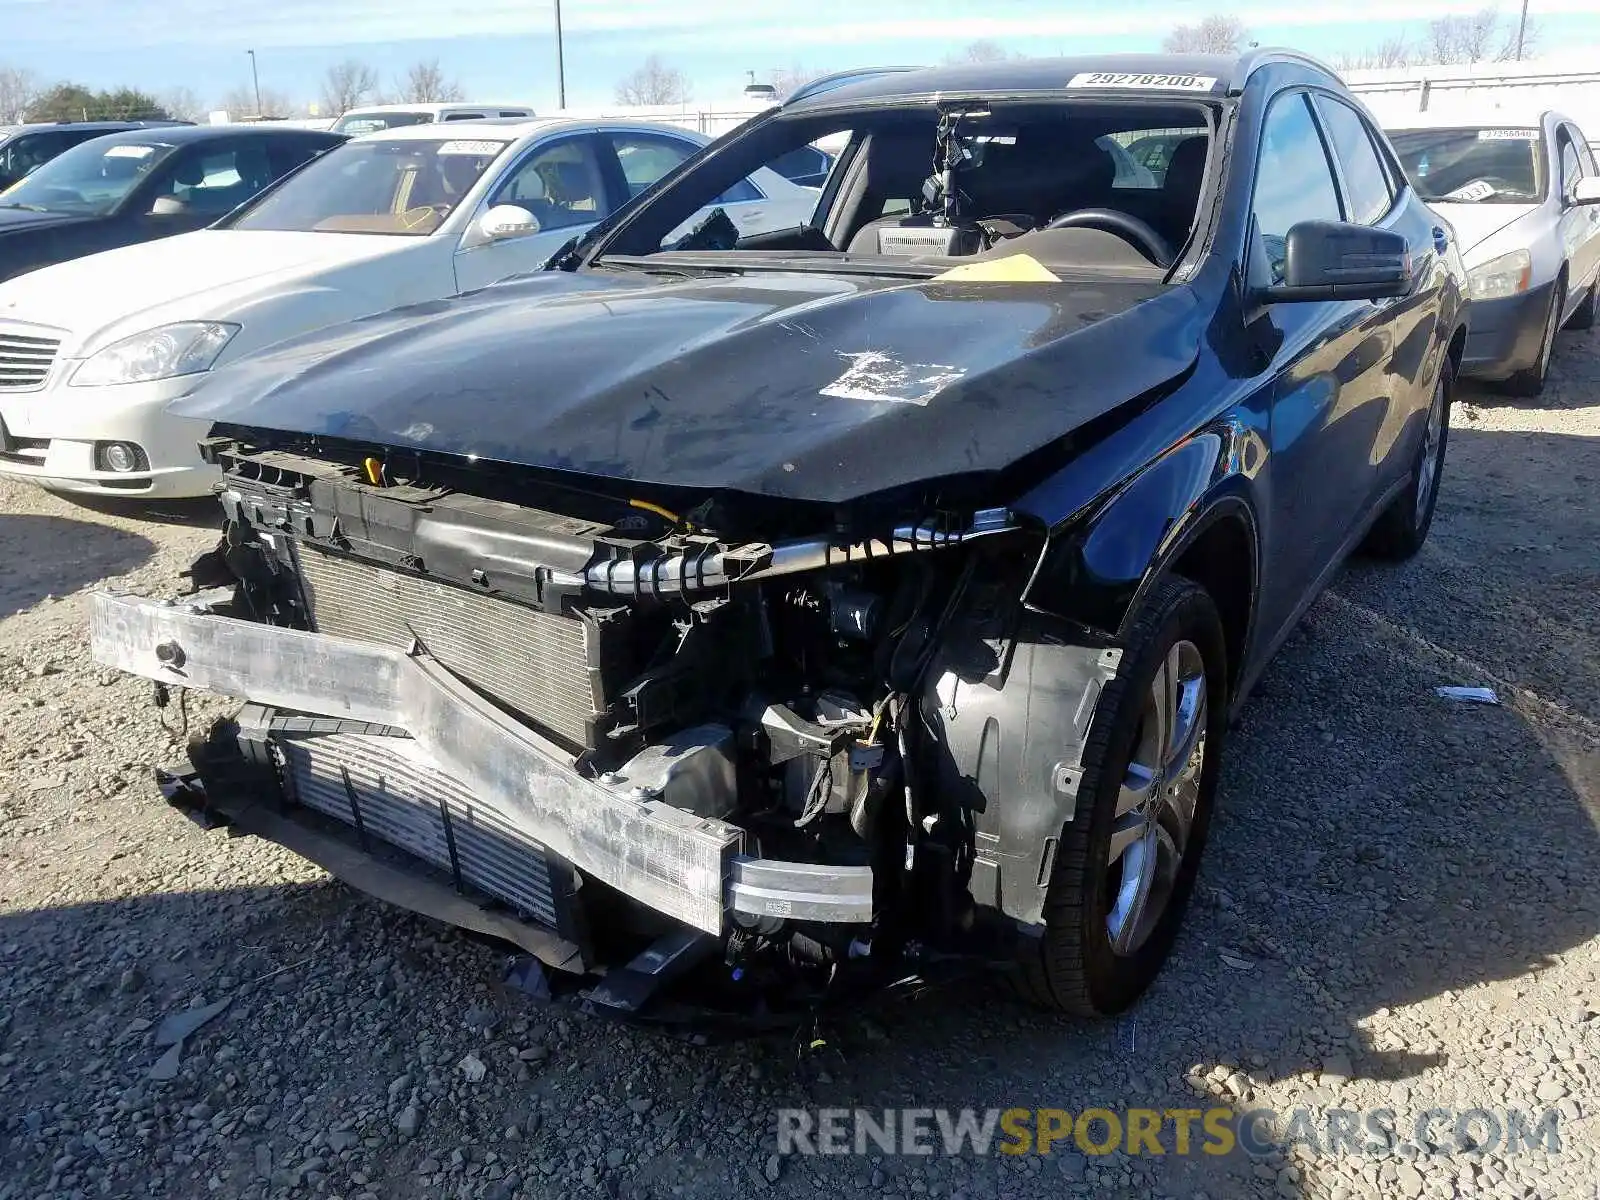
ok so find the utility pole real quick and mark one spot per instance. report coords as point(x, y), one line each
point(561, 61)
point(1522, 28)
point(255, 78)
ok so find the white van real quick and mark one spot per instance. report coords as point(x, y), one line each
point(375, 118)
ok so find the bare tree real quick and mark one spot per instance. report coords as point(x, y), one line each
point(424, 83)
point(275, 105)
point(1216, 34)
point(982, 51)
point(19, 88)
point(786, 80)
point(654, 83)
point(1389, 54)
point(182, 104)
point(1484, 36)
point(348, 85)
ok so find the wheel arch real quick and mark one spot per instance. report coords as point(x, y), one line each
point(1192, 513)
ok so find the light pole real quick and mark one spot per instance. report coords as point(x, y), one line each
point(1522, 28)
point(255, 78)
point(561, 63)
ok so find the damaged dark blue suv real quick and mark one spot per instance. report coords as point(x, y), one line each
point(807, 607)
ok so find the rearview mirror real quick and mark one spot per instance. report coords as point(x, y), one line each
point(1585, 191)
point(1332, 260)
point(168, 206)
point(507, 221)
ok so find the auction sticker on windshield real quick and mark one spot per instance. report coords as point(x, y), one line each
point(471, 148)
point(1125, 79)
point(1508, 135)
point(129, 151)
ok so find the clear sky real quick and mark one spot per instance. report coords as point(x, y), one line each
point(504, 49)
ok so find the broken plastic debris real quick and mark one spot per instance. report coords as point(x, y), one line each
point(1469, 695)
point(180, 1025)
point(472, 1067)
point(1238, 964)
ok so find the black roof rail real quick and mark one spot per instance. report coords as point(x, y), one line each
point(827, 83)
point(1252, 60)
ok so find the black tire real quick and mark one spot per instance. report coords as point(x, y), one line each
point(1583, 316)
point(1402, 528)
point(1530, 381)
point(1072, 967)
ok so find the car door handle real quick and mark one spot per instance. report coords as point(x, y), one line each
point(1441, 241)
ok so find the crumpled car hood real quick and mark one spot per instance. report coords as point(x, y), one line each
point(796, 385)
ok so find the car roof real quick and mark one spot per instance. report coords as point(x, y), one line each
point(108, 126)
point(1474, 117)
point(1039, 75)
point(508, 130)
point(183, 135)
point(430, 106)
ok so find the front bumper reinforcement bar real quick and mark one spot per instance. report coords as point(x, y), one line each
point(686, 866)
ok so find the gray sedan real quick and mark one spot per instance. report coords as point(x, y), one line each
point(1523, 196)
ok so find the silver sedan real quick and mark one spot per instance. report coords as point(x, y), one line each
point(1523, 196)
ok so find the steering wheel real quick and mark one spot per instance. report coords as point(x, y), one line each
point(1129, 228)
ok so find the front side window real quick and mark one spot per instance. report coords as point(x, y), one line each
point(1571, 168)
point(560, 184)
point(1365, 181)
point(402, 188)
point(90, 179)
point(1472, 166)
point(1294, 181)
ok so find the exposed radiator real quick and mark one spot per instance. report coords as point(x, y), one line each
point(399, 793)
point(545, 667)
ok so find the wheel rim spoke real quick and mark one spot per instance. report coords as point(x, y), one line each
point(1127, 919)
point(1157, 799)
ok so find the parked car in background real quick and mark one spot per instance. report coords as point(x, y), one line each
point(375, 118)
point(395, 218)
point(139, 186)
point(816, 606)
point(24, 148)
point(1524, 198)
point(808, 166)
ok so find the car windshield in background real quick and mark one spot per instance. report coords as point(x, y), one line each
point(355, 124)
point(88, 180)
point(405, 188)
point(1472, 166)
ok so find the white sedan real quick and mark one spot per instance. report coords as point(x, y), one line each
point(92, 351)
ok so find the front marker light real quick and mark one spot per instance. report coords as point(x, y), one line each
point(186, 348)
point(1508, 275)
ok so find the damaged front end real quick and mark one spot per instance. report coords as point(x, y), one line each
point(612, 734)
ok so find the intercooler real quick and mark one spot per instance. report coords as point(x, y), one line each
point(403, 799)
point(545, 667)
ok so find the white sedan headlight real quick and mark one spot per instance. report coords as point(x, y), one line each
point(186, 348)
point(1508, 275)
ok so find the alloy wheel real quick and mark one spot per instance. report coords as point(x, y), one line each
point(1157, 801)
point(1432, 439)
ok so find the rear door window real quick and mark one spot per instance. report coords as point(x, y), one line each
point(1367, 191)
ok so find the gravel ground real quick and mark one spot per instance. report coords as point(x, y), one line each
point(1398, 911)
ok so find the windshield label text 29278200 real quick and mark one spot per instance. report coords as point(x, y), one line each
point(1125, 79)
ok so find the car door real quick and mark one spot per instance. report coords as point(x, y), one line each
point(561, 184)
point(643, 157)
point(1580, 223)
point(1327, 369)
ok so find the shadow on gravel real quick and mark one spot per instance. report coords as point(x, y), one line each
point(198, 513)
point(55, 556)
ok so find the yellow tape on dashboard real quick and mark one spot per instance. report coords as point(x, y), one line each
point(1014, 268)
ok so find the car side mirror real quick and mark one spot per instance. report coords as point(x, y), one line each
point(507, 221)
point(1585, 191)
point(1333, 260)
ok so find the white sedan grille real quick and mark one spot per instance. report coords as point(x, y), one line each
point(26, 358)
